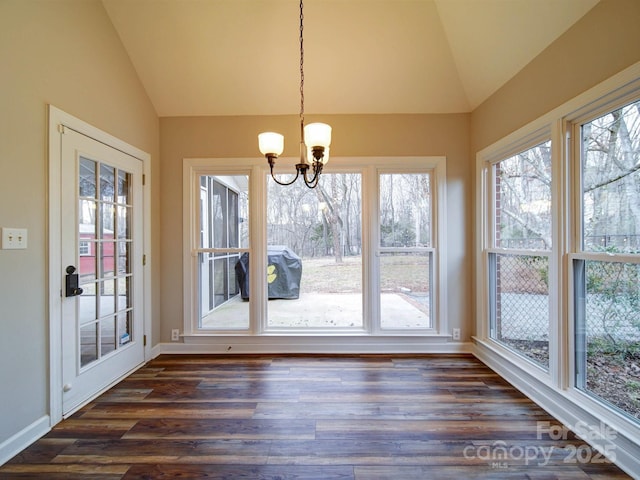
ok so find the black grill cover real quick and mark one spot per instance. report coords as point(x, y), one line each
point(284, 270)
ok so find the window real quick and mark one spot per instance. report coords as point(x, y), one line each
point(84, 248)
point(606, 265)
point(314, 249)
point(359, 254)
point(518, 262)
point(405, 250)
point(222, 251)
point(559, 264)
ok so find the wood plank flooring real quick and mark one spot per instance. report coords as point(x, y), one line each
point(309, 418)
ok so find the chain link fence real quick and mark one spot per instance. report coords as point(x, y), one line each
point(611, 302)
point(521, 315)
point(611, 305)
point(608, 325)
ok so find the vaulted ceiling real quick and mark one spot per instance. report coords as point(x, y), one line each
point(241, 57)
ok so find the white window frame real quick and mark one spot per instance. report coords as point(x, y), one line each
point(435, 250)
point(226, 251)
point(486, 163)
point(556, 391)
point(342, 168)
point(192, 170)
point(84, 248)
point(257, 170)
point(573, 123)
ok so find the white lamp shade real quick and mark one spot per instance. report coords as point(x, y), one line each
point(271, 143)
point(317, 135)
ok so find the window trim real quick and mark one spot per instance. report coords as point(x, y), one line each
point(436, 167)
point(574, 130)
point(220, 252)
point(617, 98)
point(192, 170)
point(487, 164)
point(568, 402)
point(256, 169)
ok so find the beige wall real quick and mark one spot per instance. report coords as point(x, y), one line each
point(353, 135)
point(602, 43)
point(66, 53)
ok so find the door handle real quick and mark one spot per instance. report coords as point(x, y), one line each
point(72, 282)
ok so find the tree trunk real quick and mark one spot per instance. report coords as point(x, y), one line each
point(332, 216)
point(335, 231)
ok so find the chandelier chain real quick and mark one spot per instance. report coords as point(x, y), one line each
point(276, 141)
point(301, 66)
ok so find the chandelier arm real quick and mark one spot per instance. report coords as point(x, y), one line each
point(313, 181)
point(284, 184)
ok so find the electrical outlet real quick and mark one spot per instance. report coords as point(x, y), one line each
point(175, 335)
point(456, 334)
point(14, 238)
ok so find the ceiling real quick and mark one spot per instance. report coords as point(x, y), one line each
point(241, 57)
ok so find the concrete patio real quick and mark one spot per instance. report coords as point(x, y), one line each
point(324, 310)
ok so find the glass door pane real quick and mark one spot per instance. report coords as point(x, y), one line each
point(101, 240)
point(104, 268)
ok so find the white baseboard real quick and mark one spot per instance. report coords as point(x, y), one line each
point(25, 437)
point(625, 450)
point(336, 345)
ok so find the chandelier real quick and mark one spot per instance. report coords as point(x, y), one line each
point(315, 138)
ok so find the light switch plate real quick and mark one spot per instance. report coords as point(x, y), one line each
point(14, 238)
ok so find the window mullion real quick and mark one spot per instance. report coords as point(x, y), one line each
point(370, 250)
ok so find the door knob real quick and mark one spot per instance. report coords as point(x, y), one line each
point(72, 282)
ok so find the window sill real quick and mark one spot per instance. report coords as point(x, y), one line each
point(338, 343)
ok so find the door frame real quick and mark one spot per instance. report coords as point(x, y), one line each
point(58, 120)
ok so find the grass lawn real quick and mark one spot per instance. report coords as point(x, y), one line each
point(398, 273)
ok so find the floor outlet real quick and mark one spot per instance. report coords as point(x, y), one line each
point(175, 335)
point(456, 334)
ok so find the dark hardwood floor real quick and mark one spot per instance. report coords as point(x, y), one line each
point(310, 417)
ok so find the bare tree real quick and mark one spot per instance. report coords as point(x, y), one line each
point(523, 196)
point(332, 214)
point(611, 180)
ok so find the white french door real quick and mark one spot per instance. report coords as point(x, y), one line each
point(101, 258)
